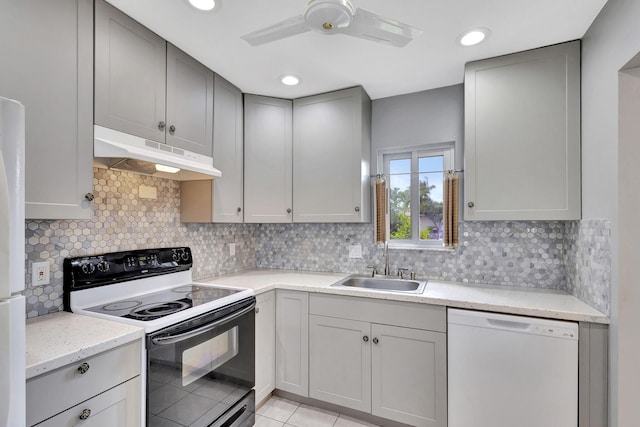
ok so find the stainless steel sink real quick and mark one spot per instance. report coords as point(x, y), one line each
point(383, 283)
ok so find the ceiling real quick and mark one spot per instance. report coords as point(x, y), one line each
point(330, 62)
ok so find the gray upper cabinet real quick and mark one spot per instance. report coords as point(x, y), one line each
point(189, 103)
point(227, 152)
point(130, 77)
point(219, 200)
point(149, 88)
point(331, 156)
point(48, 66)
point(522, 136)
point(267, 159)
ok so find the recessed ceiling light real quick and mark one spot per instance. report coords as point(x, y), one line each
point(290, 79)
point(473, 37)
point(205, 5)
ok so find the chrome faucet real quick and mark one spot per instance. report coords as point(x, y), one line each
point(387, 269)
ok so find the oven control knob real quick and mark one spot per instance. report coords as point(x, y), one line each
point(175, 256)
point(184, 256)
point(87, 268)
point(103, 266)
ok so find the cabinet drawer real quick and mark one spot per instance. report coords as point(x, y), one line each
point(408, 314)
point(119, 406)
point(53, 392)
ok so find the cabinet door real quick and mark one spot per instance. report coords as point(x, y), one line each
point(409, 375)
point(292, 342)
point(130, 77)
point(522, 136)
point(331, 151)
point(340, 362)
point(265, 345)
point(267, 159)
point(189, 103)
point(47, 65)
point(227, 152)
point(119, 406)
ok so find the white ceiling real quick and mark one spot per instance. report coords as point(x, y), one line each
point(327, 63)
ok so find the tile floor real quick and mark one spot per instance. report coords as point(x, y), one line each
point(279, 412)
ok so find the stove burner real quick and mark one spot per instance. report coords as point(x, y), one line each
point(187, 288)
point(158, 309)
point(121, 305)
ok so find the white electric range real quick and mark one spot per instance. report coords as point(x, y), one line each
point(200, 338)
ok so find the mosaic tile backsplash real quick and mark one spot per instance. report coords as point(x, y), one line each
point(588, 262)
point(504, 253)
point(123, 221)
point(572, 256)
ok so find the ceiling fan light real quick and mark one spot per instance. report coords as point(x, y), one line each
point(204, 5)
point(473, 37)
point(325, 16)
point(290, 79)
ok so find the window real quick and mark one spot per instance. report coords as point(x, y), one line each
point(415, 182)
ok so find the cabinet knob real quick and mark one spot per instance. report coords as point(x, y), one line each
point(86, 413)
point(239, 209)
point(471, 204)
point(289, 210)
point(357, 208)
point(257, 310)
point(375, 341)
point(365, 338)
point(89, 197)
point(172, 129)
point(161, 125)
point(82, 369)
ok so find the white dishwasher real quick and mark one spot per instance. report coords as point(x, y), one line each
point(511, 371)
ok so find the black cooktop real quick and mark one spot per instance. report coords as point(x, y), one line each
point(159, 304)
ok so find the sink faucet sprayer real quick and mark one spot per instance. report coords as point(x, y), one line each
point(387, 269)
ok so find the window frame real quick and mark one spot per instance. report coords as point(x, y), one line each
point(447, 151)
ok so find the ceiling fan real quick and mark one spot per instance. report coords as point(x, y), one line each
point(337, 17)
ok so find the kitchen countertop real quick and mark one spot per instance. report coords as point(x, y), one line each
point(57, 339)
point(546, 303)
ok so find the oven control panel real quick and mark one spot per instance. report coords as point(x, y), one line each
point(95, 270)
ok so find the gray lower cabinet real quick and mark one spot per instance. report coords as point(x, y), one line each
point(47, 65)
point(131, 76)
point(522, 136)
point(265, 345)
point(409, 375)
point(268, 160)
point(292, 342)
point(386, 358)
point(148, 87)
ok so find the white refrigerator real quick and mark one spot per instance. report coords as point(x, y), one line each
point(12, 244)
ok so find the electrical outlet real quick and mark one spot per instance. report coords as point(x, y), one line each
point(232, 249)
point(355, 251)
point(40, 273)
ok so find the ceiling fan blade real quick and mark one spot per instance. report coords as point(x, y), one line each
point(281, 30)
point(367, 25)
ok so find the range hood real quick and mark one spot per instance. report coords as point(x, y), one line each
point(113, 149)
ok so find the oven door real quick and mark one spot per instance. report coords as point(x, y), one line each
point(201, 372)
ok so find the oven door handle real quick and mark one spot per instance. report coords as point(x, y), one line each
point(172, 339)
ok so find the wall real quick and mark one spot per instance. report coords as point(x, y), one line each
point(610, 42)
point(123, 221)
point(430, 116)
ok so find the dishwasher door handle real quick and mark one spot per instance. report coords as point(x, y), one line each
point(520, 326)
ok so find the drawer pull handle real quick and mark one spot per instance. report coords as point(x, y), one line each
point(86, 413)
point(375, 341)
point(365, 338)
point(82, 369)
